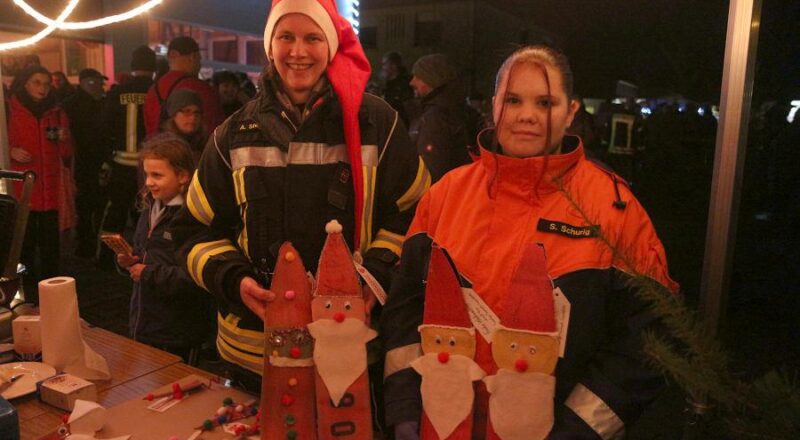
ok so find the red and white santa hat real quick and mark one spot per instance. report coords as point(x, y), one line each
point(529, 305)
point(348, 72)
point(444, 302)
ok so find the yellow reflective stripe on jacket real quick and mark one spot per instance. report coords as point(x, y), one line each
point(240, 346)
point(400, 358)
point(248, 337)
point(244, 340)
point(238, 186)
point(421, 184)
point(389, 240)
point(370, 176)
point(240, 192)
point(242, 239)
point(197, 202)
point(595, 412)
point(199, 255)
point(234, 356)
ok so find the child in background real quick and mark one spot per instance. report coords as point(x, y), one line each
point(168, 310)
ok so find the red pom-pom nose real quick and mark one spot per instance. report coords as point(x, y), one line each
point(295, 352)
point(338, 316)
point(444, 357)
point(521, 365)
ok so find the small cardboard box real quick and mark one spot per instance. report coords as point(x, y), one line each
point(63, 390)
point(27, 336)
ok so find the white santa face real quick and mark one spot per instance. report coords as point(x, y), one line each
point(338, 308)
point(450, 340)
point(524, 352)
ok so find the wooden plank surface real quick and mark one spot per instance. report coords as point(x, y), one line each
point(127, 360)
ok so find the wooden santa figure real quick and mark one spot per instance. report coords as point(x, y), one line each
point(525, 348)
point(288, 383)
point(448, 345)
point(340, 353)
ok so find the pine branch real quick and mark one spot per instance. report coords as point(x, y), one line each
point(767, 408)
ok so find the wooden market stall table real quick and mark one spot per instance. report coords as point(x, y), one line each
point(135, 369)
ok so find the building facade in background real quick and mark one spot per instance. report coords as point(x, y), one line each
point(229, 33)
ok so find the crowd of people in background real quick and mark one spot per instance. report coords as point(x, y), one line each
point(98, 190)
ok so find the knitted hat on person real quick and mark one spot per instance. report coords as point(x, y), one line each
point(348, 72)
point(444, 302)
point(143, 58)
point(181, 98)
point(529, 304)
point(434, 69)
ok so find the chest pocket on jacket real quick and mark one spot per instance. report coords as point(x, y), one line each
point(261, 205)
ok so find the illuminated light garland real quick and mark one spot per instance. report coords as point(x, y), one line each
point(87, 24)
point(33, 39)
point(61, 23)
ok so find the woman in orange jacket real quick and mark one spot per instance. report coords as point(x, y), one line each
point(533, 184)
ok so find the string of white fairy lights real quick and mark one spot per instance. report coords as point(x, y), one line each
point(61, 23)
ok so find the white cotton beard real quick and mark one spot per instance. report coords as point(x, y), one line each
point(447, 390)
point(340, 353)
point(521, 404)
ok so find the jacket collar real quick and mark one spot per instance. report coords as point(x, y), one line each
point(531, 175)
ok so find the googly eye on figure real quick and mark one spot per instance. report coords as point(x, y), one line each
point(525, 349)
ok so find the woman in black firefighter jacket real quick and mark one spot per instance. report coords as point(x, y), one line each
point(311, 147)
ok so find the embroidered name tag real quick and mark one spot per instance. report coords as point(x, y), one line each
point(247, 125)
point(567, 230)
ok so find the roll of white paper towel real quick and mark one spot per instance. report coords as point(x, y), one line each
point(62, 344)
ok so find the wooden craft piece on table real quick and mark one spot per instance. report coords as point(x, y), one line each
point(340, 337)
point(288, 384)
point(525, 348)
point(447, 365)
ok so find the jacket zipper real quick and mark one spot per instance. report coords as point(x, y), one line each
point(289, 120)
point(139, 283)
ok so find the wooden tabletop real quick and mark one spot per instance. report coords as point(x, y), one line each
point(128, 361)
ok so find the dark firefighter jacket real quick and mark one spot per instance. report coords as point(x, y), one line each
point(263, 179)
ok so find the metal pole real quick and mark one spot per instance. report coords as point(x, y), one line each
point(744, 18)
point(5, 163)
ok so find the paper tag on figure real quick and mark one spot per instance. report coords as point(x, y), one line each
point(563, 308)
point(481, 315)
point(373, 284)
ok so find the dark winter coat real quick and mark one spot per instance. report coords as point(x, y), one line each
point(167, 307)
point(440, 133)
point(91, 145)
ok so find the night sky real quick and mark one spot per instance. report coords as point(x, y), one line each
point(666, 47)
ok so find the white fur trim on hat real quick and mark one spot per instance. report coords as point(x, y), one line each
point(310, 8)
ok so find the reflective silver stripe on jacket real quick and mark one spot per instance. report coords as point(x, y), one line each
point(400, 358)
point(596, 413)
point(300, 153)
